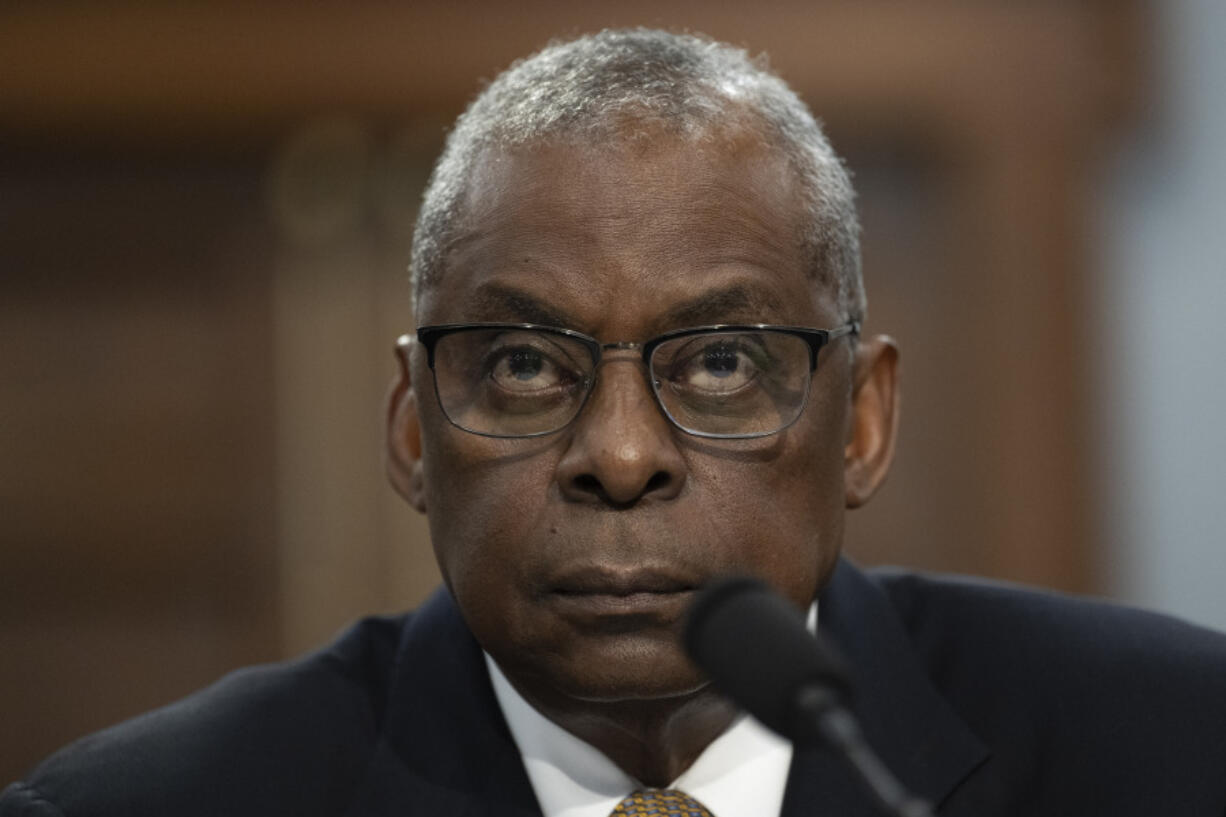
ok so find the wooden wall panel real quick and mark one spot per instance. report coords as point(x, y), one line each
point(137, 547)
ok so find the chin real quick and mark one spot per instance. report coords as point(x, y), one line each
point(627, 690)
point(640, 676)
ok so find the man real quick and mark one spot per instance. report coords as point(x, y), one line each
point(639, 367)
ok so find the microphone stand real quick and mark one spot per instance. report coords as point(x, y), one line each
point(834, 724)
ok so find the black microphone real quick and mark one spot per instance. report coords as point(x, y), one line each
point(753, 645)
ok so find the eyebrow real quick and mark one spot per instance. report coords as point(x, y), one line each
point(498, 302)
point(730, 304)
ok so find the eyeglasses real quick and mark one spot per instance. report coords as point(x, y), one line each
point(524, 380)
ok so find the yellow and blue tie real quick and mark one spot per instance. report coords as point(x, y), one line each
point(661, 803)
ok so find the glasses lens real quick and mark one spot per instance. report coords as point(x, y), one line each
point(511, 382)
point(733, 384)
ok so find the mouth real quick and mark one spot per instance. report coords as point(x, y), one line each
point(601, 595)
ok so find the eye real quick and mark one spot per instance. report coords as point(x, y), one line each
point(716, 365)
point(526, 366)
point(520, 364)
point(720, 361)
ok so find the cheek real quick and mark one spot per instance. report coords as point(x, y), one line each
point(788, 512)
point(481, 506)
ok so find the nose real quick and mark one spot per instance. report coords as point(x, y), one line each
point(622, 448)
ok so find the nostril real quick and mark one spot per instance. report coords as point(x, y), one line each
point(588, 484)
point(659, 479)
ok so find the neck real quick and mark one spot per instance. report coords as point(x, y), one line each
point(653, 741)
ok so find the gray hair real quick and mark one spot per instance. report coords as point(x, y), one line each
point(688, 85)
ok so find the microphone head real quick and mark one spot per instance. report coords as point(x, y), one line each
point(754, 646)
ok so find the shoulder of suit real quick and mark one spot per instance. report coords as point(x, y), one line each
point(1091, 652)
point(1028, 622)
point(1087, 707)
point(278, 738)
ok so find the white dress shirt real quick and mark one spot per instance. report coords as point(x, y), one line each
point(742, 773)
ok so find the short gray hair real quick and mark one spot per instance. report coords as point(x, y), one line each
point(686, 84)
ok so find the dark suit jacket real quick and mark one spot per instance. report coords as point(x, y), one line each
point(986, 700)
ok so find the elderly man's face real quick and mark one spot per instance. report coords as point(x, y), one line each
point(573, 556)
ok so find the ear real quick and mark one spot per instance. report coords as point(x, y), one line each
point(874, 419)
point(404, 468)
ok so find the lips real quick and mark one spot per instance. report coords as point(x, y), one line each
point(611, 581)
point(622, 598)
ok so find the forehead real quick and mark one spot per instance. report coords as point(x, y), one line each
point(630, 237)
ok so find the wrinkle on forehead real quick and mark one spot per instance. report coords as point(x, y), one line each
point(673, 197)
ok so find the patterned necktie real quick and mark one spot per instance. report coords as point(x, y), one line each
point(661, 803)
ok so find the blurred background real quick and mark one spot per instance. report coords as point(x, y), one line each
point(205, 217)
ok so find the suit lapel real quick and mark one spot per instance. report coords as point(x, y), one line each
point(445, 748)
point(906, 721)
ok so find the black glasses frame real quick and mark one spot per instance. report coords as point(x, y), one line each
point(429, 336)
